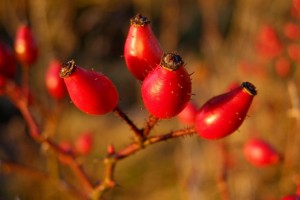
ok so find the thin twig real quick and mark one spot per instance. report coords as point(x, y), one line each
point(112, 159)
point(223, 176)
point(17, 98)
point(150, 123)
point(138, 132)
point(12, 167)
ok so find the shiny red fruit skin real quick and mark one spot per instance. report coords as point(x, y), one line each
point(25, 46)
point(223, 114)
point(260, 153)
point(55, 85)
point(90, 91)
point(142, 51)
point(165, 93)
point(8, 67)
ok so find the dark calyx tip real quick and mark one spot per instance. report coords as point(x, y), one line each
point(139, 20)
point(67, 69)
point(171, 61)
point(250, 88)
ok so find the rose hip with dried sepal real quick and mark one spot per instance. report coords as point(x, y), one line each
point(224, 114)
point(55, 85)
point(90, 91)
point(25, 46)
point(142, 51)
point(260, 153)
point(167, 89)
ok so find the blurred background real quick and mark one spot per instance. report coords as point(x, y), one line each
point(222, 43)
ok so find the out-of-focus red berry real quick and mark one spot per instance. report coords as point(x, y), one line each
point(188, 114)
point(260, 153)
point(268, 43)
point(55, 85)
point(25, 46)
point(283, 67)
point(291, 31)
point(84, 143)
point(295, 9)
point(293, 51)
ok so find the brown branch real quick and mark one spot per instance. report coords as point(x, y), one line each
point(18, 98)
point(12, 167)
point(222, 179)
point(137, 132)
point(150, 123)
point(112, 159)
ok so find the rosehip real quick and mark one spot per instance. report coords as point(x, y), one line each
point(167, 88)
point(283, 67)
point(260, 153)
point(55, 85)
point(292, 31)
point(84, 143)
point(187, 115)
point(90, 91)
point(268, 43)
point(223, 114)
point(142, 51)
point(25, 46)
point(8, 65)
point(293, 51)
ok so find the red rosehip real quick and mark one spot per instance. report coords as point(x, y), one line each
point(25, 46)
point(291, 197)
point(260, 153)
point(8, 67)
point(223, 114)
point(291, 31)
point(142, 51)
point(55, 85)
point(84, 143)
point(293, 51)
point(295, 9)
point(167, 89)
point(283, 67)
point(187, 115)
point(268, 44)
point(90, 91)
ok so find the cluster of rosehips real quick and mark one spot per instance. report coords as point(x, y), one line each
point(281, 48)
point(165, 87)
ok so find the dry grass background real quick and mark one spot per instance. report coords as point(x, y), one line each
point(213, 37)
